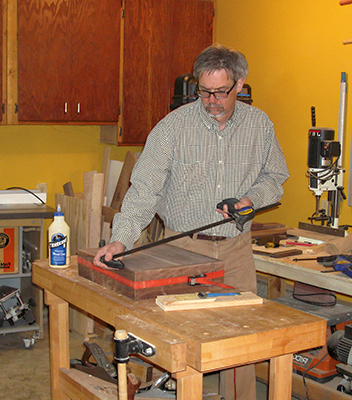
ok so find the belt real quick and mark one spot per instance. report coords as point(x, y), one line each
point(206, 237)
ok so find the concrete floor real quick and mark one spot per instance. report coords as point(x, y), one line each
point(25, 372)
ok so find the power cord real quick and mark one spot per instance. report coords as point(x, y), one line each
point(307, 370)
point(26, 190)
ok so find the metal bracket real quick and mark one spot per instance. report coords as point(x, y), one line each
point(192, 280)
point(132, 345)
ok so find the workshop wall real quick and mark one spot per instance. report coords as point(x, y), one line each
point(296, 55)
point(55, 154)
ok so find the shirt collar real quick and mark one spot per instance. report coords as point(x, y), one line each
point(235, 119)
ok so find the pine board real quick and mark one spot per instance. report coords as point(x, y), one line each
point(191, 301)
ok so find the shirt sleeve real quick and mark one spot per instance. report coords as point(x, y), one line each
point(147, 186)
point(268, 189)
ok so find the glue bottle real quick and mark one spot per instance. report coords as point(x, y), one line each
point(59, 241)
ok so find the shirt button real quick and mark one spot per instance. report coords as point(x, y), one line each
point(220, 161)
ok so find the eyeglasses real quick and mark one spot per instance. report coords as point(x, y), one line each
point(220, 95)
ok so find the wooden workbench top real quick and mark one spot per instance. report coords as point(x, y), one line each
point(215, 338)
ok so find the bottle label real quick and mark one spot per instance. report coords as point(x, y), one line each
point(58, 249)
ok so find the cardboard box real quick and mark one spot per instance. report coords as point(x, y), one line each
point(9, 250)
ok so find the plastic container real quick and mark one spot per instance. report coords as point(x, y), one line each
point(59, 241)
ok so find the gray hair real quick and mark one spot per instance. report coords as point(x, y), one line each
point(217, 57)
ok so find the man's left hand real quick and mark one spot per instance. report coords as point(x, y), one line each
point(244, 202)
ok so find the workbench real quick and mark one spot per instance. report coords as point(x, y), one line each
point(309, 272)
point(188, 343)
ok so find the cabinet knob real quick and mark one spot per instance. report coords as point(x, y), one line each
point(65, 107)
point(78, 108)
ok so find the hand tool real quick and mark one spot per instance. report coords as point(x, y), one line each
point(327, 261)
point(101, 368)
point(240, 216)
point(340, 262)
point(205, 295)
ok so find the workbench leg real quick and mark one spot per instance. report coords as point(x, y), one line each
point(276, 287)
point(59, 341)
point(189, 385)
point(280, 378)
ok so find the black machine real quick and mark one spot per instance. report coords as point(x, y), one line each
point(324, 172)
point(339, 347)
point(186, 91)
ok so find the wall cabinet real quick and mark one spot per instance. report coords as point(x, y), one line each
point(160, 47)
point(68, 60)
point(100, 61)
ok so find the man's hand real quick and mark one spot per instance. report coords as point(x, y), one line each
point(108, 251)
point(244, 202)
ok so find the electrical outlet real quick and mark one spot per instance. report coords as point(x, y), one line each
point(41, 187)
point(324, 205)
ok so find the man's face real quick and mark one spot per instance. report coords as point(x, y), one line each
point(219, 109)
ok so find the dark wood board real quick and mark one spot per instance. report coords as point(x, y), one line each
point(159, 270)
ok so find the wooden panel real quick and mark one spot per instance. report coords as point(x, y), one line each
point(77, 385)
point(159, 270)
point(192, 301)
point(123, 182)
point(192, 32)
point(76, 216)
point(180, 30)
point(146, 67)
point(68, 53)
point(2, 49)
point(43, 59)
point(95, 46)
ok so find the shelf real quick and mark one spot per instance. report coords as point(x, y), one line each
point(20, 326)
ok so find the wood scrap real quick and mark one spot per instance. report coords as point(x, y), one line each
point(76, 216)
point(105, 166)
point(191, 301)
point(93, 184)
point(124, 181)
point(68, 189)
point(114, 172)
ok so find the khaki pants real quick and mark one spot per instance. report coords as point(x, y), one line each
point(239, 273)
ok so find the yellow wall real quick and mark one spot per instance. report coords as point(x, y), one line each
point(296, 56)
point(32, 154)
point(55, 154)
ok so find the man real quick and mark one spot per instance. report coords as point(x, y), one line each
point(201, 153)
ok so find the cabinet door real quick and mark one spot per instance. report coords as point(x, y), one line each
point(95, 53)
point(43, 60)
point(68, 60)
point(161, 41)
point(192, 32)
point(2, 95)
point(146, 67)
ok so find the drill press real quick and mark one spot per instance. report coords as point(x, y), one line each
point(325, 173)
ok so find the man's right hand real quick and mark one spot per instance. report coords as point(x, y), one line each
point(108, 251)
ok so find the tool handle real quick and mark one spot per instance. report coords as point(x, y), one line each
point(223, 294)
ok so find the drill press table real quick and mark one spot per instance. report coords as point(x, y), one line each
point(188, 343)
